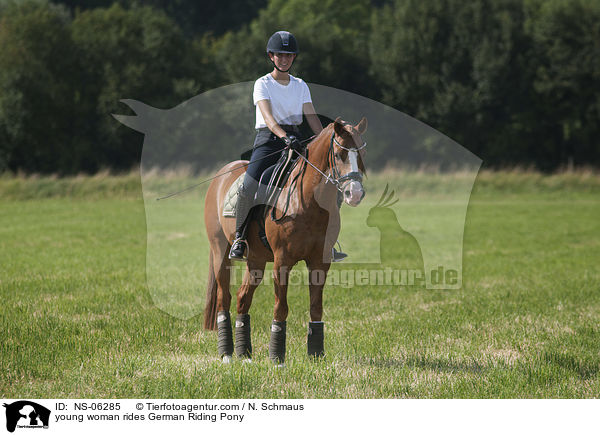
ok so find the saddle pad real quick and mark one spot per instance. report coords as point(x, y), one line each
point(230, 201)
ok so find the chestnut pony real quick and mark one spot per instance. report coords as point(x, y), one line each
point(306, 227)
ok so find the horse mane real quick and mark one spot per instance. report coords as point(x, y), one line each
point(327, 129)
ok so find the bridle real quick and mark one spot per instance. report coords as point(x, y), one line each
point(354, 174)
point(338, 180)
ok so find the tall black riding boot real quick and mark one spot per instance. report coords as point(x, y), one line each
point(242, 212)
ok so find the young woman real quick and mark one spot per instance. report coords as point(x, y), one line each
point(280, 99)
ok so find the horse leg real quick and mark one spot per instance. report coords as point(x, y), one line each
point(317, 276)
point(252, 278)
point(221, 264)
point(278, 327)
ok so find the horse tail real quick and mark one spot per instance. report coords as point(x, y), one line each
point(210, 310)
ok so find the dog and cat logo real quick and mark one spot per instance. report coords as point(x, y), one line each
point(25, 414)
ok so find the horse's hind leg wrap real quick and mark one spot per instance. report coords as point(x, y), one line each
point(315, 339)
point(224, 334)
point(277, 342)
point(243, 344)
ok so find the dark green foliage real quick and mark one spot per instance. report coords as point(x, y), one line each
point(36, 54)
point(460, 67)
point(193, 16)
point(514, 81)
point(332, 39)
point(61, 78)
point(139, 54)
point(567, 78)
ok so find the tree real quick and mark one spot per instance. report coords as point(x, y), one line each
point(36, 92)
point(332, 38)
point(460, 67)
point(139, 54)
point(195, 18)
point(567, 78)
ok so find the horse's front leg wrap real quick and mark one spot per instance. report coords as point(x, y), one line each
point(243, 344)
point(277, 342)
point(315, 339)
point(224, 334)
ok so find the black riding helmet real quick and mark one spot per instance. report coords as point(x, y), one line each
point(282, 42)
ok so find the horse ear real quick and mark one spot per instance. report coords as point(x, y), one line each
point(361, 127)
point(338, 126)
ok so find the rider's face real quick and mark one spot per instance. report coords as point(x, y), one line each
point(283, 61)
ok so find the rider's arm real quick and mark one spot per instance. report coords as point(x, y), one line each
point(265, 109)
point(312, 118)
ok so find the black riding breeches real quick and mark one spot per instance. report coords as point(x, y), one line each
point(265, 143)
point(259, 160)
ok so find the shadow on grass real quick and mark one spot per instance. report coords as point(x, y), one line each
point(423, 362)
point(584, 368)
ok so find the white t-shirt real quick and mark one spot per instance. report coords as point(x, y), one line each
point(286, 100)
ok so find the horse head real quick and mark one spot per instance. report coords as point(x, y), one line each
point(348, 151)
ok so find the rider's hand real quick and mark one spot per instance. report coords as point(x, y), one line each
point(292, 142)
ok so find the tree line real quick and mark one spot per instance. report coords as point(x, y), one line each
point(517, 82)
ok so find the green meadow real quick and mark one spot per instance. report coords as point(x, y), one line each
point(81, 317)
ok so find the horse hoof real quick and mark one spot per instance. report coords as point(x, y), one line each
point(226, 359)
point(280, 366)
point(247, 361)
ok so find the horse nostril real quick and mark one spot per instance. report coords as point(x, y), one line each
point(347, 193)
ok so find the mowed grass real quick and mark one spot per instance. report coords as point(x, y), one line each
point(78, 320)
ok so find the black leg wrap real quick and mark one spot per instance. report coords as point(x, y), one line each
point(315, 339)
point(277, 342)
point(243, 344)
point(224, 334)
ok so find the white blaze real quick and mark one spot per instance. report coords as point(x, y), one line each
point(353, 160)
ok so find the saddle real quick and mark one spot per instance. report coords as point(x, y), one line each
point(270, 185)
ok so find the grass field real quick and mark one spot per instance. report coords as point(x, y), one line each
point(77, 319)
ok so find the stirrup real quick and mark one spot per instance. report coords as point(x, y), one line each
point(247, 250)
point(337, 256)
